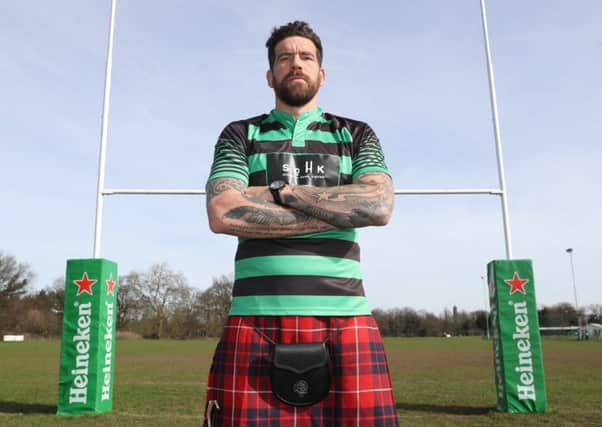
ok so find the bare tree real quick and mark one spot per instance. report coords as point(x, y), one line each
point(214, 305)
point(14, 278)
point(159, 289)
point(129, 302)
point(56, 295)
point(594, 313)
point(184, 317)
point(562, 314)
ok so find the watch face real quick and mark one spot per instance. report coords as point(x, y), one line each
point(277, 185)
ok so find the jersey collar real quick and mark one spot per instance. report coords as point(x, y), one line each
point(288, 119)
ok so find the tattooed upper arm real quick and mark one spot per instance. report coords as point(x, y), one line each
point(217, 186)
point(373, 178)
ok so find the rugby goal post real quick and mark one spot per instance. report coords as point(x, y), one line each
point(102, 191)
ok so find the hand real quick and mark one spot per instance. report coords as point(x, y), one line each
point(261, 192)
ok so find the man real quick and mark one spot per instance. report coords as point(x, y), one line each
point(300, 346)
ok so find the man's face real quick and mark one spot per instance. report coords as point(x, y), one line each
point(296, 75)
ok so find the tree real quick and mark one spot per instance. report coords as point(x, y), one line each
point(595, 313)
point(14, 278)
point(411, 323)
point(381, 318)
point(129, 302)
point(432, 324)
point(159, 289)
point(55, 294)
point(562, 314)
point(214, 305)
point(185, 317)
point(481, 320)
point(447, 323)
point(36, 315)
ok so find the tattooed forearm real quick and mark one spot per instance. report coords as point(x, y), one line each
point(254, 232)
point(259, 221)
point(235, 209)
point(369, 201)
point(255, 215)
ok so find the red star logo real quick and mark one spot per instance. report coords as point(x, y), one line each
point(517, 284)
point(84, 284)
point(110, 285)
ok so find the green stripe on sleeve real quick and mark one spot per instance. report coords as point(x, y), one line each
point(297, 265)
point(229, 174)
point(299, 305)
point(370, 169)
point(229, 161)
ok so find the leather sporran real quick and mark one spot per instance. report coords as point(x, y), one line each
point(301, 373)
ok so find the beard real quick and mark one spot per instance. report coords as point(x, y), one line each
point(296, 94)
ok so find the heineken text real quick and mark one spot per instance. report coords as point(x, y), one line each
point(79, 393)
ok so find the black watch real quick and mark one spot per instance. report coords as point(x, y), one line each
point(275, 188)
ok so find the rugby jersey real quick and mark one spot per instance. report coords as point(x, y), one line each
point(314, 274)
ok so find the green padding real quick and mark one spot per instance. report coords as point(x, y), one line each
point(517, 348)
point(89, 332)
point(299, 305)
point(297, 265)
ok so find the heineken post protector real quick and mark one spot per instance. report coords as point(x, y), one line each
point(517, 351)
point(88, 342)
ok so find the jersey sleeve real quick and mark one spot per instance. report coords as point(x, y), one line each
point(369, 156)
point(230, 154)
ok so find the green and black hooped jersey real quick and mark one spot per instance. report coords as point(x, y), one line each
point(313, 274)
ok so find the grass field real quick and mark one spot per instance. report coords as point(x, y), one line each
point(436, 381)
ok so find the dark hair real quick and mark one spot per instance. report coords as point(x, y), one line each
point(296, 28)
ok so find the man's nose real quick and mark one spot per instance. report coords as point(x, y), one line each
point(296, 60)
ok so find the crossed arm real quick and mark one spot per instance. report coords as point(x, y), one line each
point(250, 212)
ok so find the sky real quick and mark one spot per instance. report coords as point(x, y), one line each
point(414, 70)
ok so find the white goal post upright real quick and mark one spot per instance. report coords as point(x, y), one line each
point(103, 135)
point(496, 131)
point(501, 191)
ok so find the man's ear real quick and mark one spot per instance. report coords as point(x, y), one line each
point(322, 76)
point(270, 78)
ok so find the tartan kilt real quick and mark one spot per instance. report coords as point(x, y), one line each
point(239, 380)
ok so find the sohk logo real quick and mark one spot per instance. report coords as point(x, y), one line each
point(307, 168)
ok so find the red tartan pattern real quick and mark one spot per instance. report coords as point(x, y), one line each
point(239, 380)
